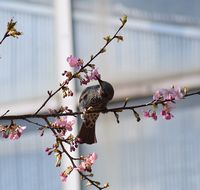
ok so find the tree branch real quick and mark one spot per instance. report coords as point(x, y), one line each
point(114, 110)
point(4, 37)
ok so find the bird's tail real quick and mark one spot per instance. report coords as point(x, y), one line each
point(87, 132)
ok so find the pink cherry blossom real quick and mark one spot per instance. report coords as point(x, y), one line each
point(82, 167)
point(87, 163)
point(176, 91)
point(94, 74)
point(159, 94)
point(47, 149)
point(92, 158)
point(173, 93)
point(166, 113)
point(16, 133)
point(74, 62)
point(146, 114)
point(63, 176)
point(150, 114)
point(85, 80)
point(5, 134)
point(168, 116)
point(74, 144)
point(154, 115)
point(63, 122)
point(12, 131)
point(50, 150)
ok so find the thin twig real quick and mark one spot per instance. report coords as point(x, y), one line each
point(4, 37)
point(100, 51)
point(35, 123)
point(49, 97)
point(72, 159)
point(81, 69)
point(92, 182)
point(4, 113)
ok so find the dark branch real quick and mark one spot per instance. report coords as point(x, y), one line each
point(114, 110)
point(4, 37)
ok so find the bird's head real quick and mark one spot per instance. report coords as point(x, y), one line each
point(106, 89)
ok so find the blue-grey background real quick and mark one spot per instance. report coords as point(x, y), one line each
point(161, 48)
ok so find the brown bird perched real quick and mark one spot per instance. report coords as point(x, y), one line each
point(93, 98)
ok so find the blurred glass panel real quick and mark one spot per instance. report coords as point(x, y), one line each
point(149, 155)
point(27, 63)
point(163, 7)
point(154, 46)
point(42, 2)
point(161, 40)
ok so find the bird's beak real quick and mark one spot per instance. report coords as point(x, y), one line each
point(99, 80)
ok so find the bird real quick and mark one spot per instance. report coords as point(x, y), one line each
point(94, 98)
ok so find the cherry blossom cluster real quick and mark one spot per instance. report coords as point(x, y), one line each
point(12, 131)
point(174, 93)
point(86, 75)
point(151, 114)
point(85, 166)
point(87, 162)
point(61, 128)
point(63, 125)
point(166, 96)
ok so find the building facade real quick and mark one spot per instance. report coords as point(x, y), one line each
point(160, 49)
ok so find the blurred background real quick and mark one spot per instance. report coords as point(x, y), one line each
point(160, 49)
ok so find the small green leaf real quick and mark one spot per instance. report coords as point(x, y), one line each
point(119, 38)
point(107, 38)
point(123, 19)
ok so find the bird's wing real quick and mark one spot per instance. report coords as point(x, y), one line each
point(89, 97)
